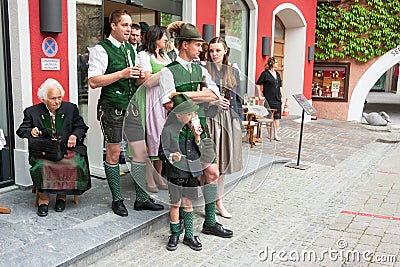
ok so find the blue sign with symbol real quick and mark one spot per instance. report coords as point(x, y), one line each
point(49, 47)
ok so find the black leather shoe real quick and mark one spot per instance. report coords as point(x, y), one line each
point(149, 204)
point(217, 230)
point(119, 208)
point(172, 242)
point(60, 205)
point(193, 242)
point(43, 210)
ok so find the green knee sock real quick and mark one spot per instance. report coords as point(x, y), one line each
point(175, 228)
point(138, 172)
point(188, 220)
point(210, 198)
point(113, 179)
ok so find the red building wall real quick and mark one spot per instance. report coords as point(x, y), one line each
point(206, 13)
point(36, 40)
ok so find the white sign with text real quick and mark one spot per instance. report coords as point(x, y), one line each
point(50, 63)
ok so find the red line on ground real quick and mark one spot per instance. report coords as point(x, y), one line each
point(389, 172)
point(370, 215)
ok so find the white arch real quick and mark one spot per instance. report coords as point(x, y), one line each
point(368, 79)
point(295, 47)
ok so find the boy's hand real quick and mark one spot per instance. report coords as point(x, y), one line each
point(197, 131)
point(176, 157)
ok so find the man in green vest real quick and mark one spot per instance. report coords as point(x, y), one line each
point(111, 67)
point(183, 75)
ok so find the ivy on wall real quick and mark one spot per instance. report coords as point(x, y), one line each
point(359, 29)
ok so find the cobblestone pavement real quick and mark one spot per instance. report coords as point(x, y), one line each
point(348, 200)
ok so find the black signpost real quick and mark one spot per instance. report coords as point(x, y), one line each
point(307, 108)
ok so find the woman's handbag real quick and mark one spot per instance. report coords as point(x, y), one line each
point(45, 148)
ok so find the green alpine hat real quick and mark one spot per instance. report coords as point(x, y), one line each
point(183, 104)
point(189, 32)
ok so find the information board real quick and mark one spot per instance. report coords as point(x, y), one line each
point(304, 104)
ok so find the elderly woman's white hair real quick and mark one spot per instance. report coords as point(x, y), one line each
point(44, 88)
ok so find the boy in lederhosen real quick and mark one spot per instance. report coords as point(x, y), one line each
point(180, 150)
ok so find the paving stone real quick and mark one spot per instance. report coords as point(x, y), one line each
point(388, 248)
point(376, 231)
point(370, 240)
point(291, 209)
point(358, 225)
point(390, 238)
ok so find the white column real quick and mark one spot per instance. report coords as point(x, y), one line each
point(95, 140)
point(189, 11)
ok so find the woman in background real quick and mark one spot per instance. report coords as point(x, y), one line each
point(272, 91)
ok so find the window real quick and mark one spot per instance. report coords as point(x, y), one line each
point(234, 29)
point(167, 18)
point(279, 29)
point(330, 81)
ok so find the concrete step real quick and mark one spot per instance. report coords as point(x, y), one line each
point(86, 232)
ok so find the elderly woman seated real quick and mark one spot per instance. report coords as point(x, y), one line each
point(56, 119)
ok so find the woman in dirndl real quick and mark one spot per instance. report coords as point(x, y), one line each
point(152, 59)
point(225, 124)
point(56, 119)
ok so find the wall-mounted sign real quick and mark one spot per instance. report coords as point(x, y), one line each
point(395, 51)
point(49, 47)
point(50, 63)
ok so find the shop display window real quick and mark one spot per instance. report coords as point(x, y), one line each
point(330, 81)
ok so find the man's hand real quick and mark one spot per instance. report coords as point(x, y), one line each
point(132, 72)
point(222, 103)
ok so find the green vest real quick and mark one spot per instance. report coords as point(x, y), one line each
point(119, 93)
point(186, 82)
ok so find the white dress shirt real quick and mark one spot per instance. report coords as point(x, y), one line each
point(98, 58)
